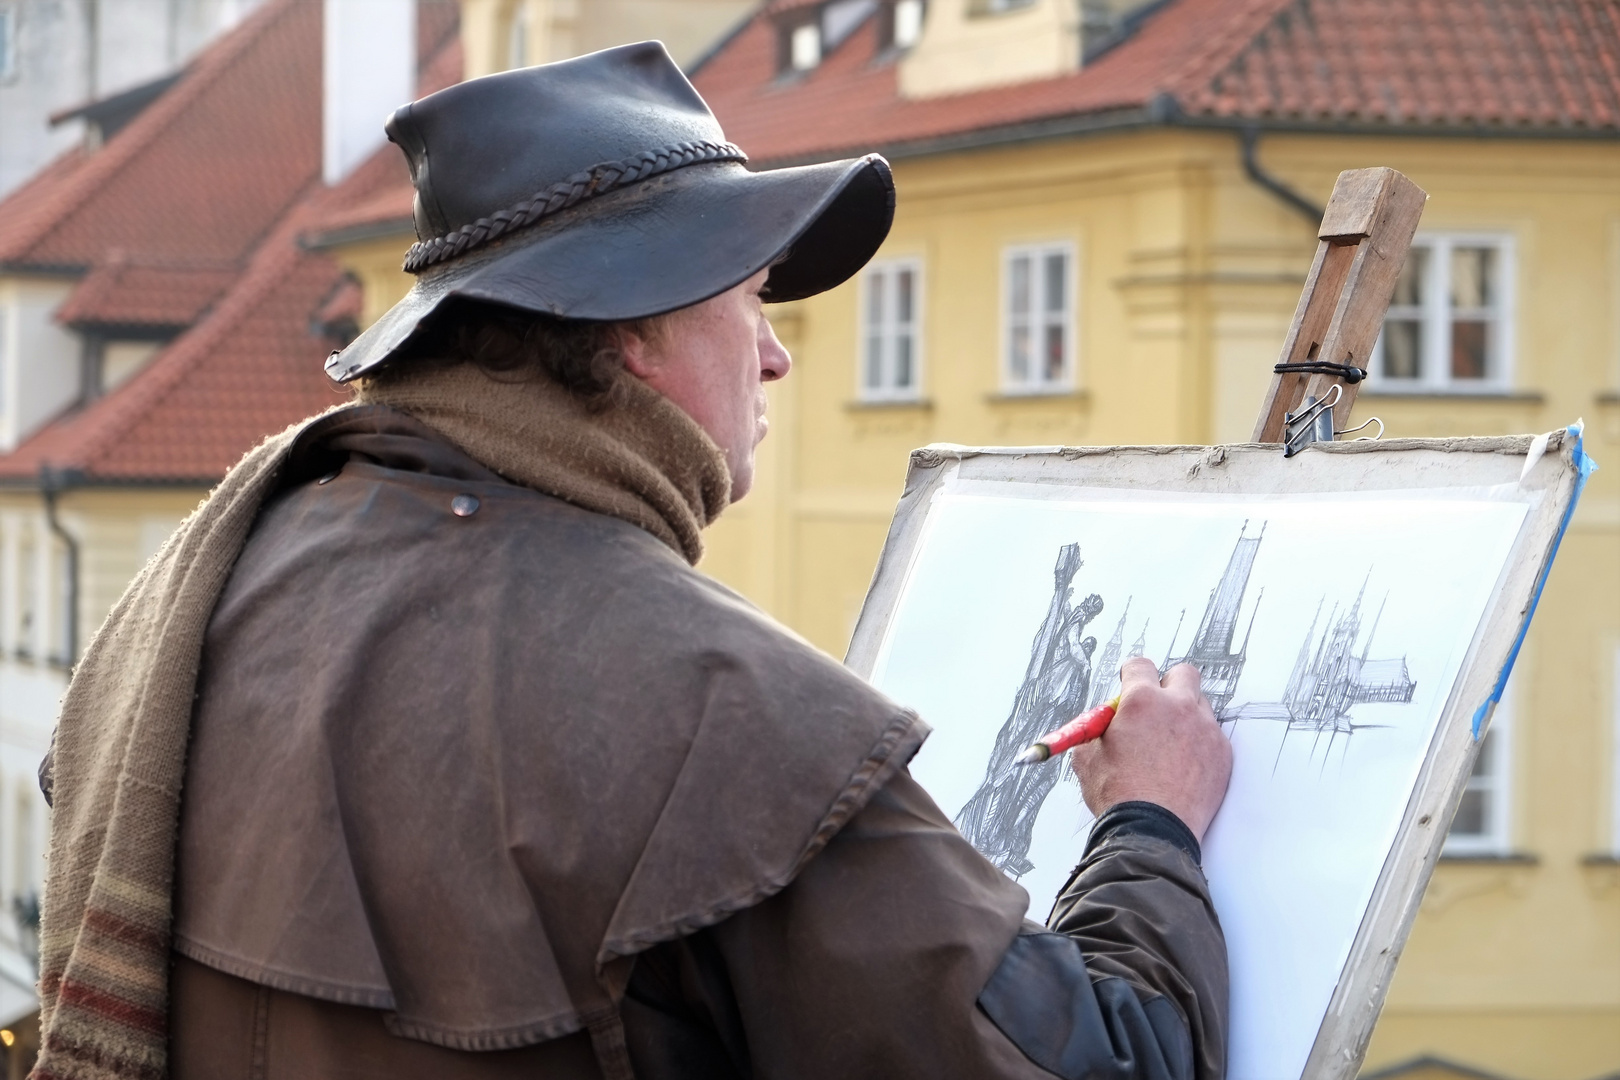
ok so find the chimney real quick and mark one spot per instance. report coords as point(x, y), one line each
point(369, 70)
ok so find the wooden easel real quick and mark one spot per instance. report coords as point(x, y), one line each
point(1365, 235)
point(1366, 232)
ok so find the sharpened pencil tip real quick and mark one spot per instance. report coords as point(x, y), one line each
point(1033, 756)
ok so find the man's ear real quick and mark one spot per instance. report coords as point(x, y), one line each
point(641, 359)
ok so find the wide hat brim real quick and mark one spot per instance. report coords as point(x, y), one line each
point(655, 246)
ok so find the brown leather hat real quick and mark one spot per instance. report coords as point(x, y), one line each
point(602, 188)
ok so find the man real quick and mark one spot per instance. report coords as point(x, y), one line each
point(472, 775)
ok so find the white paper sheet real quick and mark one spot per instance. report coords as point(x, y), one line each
point(1321, 775)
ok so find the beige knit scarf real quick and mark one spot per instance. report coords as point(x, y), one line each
point(119, 754)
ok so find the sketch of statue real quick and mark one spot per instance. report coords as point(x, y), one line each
point(999, 820)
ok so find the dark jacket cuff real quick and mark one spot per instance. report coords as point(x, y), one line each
point(1144, 819)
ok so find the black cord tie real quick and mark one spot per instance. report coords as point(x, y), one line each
point(1347, 372)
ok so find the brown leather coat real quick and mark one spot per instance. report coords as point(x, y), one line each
point(485, 784)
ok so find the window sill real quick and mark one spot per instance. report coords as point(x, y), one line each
point(889, 404)
point(1486, 858)
point(1601, 860)
point(1014, 397)
point(1517, 397)
point(980, 10)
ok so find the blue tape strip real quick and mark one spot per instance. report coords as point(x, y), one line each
point(1584, 467)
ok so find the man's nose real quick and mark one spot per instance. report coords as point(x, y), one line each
point(774, 360)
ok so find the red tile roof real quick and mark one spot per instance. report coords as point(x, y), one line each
point(204, 170)
point(251, 362)
point(1541, 66)
point(250, 368)
point(123, 292)
point(1552, 64)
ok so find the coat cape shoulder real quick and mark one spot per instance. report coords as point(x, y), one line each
point(462, 750)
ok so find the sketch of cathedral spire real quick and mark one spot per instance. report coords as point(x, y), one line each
point(1106, 685)
point(1211, 649)
point(999, 820)
point(1139, 647)
point(1330, 678)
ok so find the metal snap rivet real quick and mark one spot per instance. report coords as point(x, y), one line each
point(329, 477)
point(464, 505)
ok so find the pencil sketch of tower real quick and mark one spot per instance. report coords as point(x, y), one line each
point(1105, 683)
point(1211, 649)
point(1330, 678)
point(999, 820)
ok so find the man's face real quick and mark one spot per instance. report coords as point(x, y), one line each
point(713, 359)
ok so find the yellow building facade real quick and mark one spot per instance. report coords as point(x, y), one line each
point(1186, 278)
point(501, 34)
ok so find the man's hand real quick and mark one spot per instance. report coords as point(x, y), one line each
point(1163, 747)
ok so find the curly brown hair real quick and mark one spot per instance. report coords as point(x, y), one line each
point(515, 346)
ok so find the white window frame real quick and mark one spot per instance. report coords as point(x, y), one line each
point(907, 27)
point(1435, 316)
point(1614, 756)
point(517, 36)
point(1496, 839)
point(1068, 318)
point(887, 331)
point(804, 46)
point(8, 42)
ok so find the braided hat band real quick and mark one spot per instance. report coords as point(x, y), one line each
point(597, 180)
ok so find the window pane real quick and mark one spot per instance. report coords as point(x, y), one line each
point(1473, 277)
point(874, 298)
point(1409, 286)
point(1470, 349)
point(1471, 812)
point(804, 47)
point(1018, 285)
point(1403, 349)
point(1018, 360)
point(902, 296)
point(1056, 273)
point(908, 19)
point(874, 361)
point(1053, 368)
point(902, 361)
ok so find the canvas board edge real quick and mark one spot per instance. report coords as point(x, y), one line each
point(1358, 999)
point(927, 471)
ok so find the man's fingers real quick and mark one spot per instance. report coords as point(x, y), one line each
point(1137, 671)
point(1185, 679)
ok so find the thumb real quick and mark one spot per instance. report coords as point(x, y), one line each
point(1137, 671)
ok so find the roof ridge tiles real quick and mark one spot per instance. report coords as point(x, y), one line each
point(1247, 21)
point(1548, 69)
point(95, 169)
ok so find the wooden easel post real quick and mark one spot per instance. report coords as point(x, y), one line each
point(1365, 235)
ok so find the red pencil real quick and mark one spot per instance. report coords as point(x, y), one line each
point(1082, 729)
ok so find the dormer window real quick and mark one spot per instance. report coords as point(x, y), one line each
point(908, 23)
point(810, 33)
point(804, 46)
